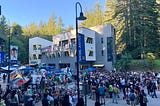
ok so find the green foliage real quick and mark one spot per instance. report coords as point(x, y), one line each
point(94, 17)
point(140, 25)
point(151, 60)
point(125, 62)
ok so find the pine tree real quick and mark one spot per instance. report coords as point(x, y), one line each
point(51, 25)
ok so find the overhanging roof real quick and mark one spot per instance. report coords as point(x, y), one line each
point(98, 65)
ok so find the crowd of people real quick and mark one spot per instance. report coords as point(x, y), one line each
point(100, 86)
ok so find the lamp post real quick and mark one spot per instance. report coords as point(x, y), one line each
point(9, 58)
point(81, 17)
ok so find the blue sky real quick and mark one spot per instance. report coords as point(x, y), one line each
point(24, 12)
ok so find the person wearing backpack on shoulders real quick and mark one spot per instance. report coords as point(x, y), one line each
point(143, 98)
point(115, 93)
point(132, 97)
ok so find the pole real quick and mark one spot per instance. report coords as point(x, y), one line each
point(81, 17)
point(77, 42)
point(9, 58)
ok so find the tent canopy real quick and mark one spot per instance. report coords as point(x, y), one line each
point(91, 69)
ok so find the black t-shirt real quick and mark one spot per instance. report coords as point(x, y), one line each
point(45, 102)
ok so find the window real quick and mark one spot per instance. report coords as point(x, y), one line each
point(36, 47)
point(58, 54)
point(101, 40)
point(102, 52)
point(89, 40)
point(35, 56)
point(90, 53)
point(109, 48)
point(66, 53)
point(40, 56)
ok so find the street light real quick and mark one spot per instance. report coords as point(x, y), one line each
point(81, 17)
point(9, 57)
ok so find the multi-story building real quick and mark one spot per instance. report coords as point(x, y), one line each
point(96, 48)
point(35, 45)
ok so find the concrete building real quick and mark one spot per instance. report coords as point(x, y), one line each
point(35, 45)
point(96, 48)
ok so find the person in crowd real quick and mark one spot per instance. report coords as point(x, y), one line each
point(65, 101)
point(97, 94)
point(154, 88)
point(51, 100)
point(2, 102)
point(80, 102)
point(143, 98)
point(4, 77)
point(132, 97)
point(115, 94)
point(1, 91)
point(45, 101)
point(75, 99)
point(14, 99)
point(97, 103)
point(102, 93)
point(110, 90)
point(123, 84)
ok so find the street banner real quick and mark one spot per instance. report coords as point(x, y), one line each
point(1, 57)
point(81, 48)
point(13, 54)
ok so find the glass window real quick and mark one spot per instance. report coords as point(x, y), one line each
point(89, 40)
point(90, 53)
point(34, 47)
point(102, 52)
point(109, 49)
point(101, 40)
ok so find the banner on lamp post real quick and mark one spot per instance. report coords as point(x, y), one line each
point(81, 48)
point(13, 54)
point(1, 57)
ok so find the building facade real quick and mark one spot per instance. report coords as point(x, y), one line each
point(35, 46)
point(96, 48)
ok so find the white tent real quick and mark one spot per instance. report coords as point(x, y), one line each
point(8, 68)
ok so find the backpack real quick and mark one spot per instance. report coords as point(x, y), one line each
point(145, 100)
point(132, 96)
point(115, 90)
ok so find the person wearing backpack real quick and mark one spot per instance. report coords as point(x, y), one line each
point(143, 98)
point(115, 93)
point(132, 97)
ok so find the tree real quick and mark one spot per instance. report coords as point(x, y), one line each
point(59, 26)
point(33, 29)
point(4, 32)
point(51, 25)
point(94, 17)
point(140, 25)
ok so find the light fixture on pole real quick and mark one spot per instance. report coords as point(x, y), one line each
point(81, 17)
point(9, 56)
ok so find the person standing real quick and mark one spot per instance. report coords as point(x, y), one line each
point(97, 94)
point(115, 93)
point(4, 77)
point(45, 101)
point(110, 90)
point(143, 98)
point(102, 93)
point(132, 97)
point(154, 88)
